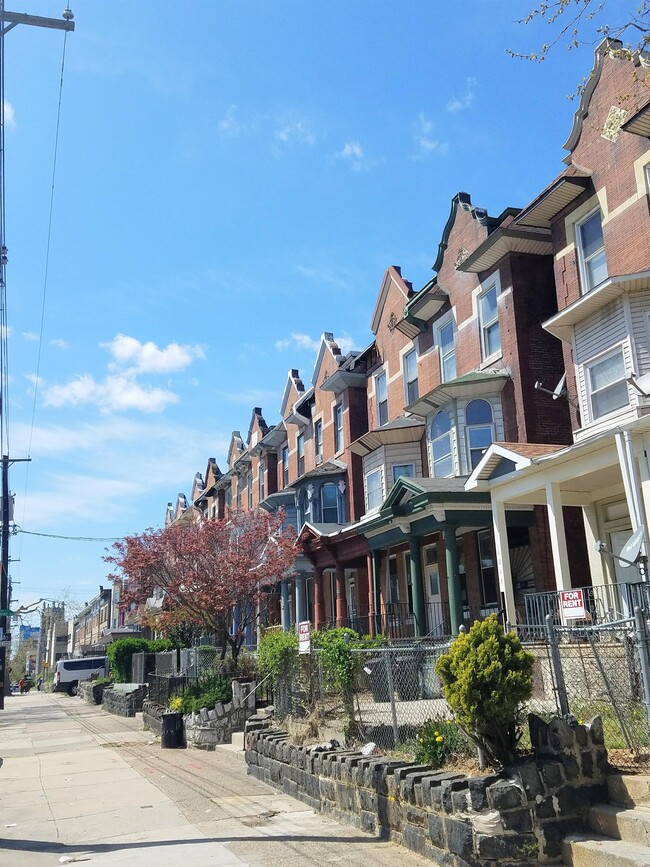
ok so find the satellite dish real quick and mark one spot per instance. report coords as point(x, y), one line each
point(630, 551)
point(558, 391)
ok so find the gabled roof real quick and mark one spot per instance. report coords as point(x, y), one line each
point(294, 382)
point(392, 277)
point(256, 418)
point(461, 200)
point(236, 448)
point(469, 385)
point(327, 344)
point(508, 457)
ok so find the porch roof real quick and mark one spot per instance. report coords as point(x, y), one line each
point(516, 473)
point(560, 193)
point(510, 239)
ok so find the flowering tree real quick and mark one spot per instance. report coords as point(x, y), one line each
point(210, 573)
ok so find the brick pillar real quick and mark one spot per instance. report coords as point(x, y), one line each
point(341, 598)
point(371, 592)
point(319, 602)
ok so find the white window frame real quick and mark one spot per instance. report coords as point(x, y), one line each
point(450, 434)
point(322, 507)
point(585, 282)
point(260, 480)
point(494, 284)
point(411, 353)
point(403, 464)
point(337, 416)
point(285, 465)
point(445, 323)
point(380, 488)
point(480, 426)
point(381, 375)
point(318, 440)
point(617, 350)
point(300, 453)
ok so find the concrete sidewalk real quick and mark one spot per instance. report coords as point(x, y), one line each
point(78, 783)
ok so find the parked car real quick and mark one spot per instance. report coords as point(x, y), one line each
point(70, 671)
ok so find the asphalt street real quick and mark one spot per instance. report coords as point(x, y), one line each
point(80, 785)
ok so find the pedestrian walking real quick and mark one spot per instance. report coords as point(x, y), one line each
point(22, 683)
point(39, 684)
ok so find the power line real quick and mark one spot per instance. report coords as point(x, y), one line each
point(69, 538)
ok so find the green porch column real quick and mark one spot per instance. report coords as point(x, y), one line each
point(453, 580)
point(417, 586)
point(376, 589)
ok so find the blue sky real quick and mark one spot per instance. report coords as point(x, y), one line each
point(233, 177)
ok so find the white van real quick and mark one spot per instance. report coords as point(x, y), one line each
point(70, 671)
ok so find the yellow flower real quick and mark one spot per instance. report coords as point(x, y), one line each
point(436, 734)
point(439, 739)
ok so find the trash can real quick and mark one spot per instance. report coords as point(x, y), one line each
point(171, 736)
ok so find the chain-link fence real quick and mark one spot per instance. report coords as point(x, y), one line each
point(164, 687)
point(585, 671)
point(144, 664)
point(604, 670)
point(194, 661)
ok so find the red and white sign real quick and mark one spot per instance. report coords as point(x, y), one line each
point(304, 637)
point(572, 605)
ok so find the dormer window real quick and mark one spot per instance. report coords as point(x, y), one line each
point(591, 251)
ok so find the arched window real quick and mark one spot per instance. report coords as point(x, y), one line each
point(478, 420)
point(329, 504)
point(443, 462)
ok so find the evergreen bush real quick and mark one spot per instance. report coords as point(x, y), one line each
point(119, 654)
point(486, 677)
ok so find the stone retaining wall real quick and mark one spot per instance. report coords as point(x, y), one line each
point(92, 693)
point(152, 716)
point(209, 727)
point(518, 816)
point(123, 702)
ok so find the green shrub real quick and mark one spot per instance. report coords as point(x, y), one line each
point(120, 652)
point(439, 741)
point(202, 695)
point(245, 666)
point(486, 677)
point(277, 653)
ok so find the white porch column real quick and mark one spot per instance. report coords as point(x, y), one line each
point(558, 536)
point(503, 558)
point(596, 560)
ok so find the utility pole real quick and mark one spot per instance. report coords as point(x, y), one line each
point(9, 20)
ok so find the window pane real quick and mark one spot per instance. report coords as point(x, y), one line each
point(443, 467)
point(330, 504)
point(410, 365)
point(407, 470)
point(489, 305)
point(591, 235)
point(441, 424)
point(446, 337)
point(383, 413)
point(373, 489)
point(381, 387)
point(492, 339)
point(449, 368)
point(412, 391)
point(611, 398)
point(607, 371)
point(478, 412)
point(597, 269)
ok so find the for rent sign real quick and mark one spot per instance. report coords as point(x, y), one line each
point(572, 605)
point(304, 637)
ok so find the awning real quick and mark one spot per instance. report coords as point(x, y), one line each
point(639, 123)
point(512, 239)
point(556, 197)
point(402, 430)
point(470, 385)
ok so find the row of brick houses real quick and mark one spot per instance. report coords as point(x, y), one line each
point(500, 410)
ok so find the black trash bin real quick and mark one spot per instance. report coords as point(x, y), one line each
point(171, 736)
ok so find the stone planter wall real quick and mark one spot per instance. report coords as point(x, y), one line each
point(152, 716)
point(517, 816)
point(209, 727)
point(124, 699)
point(92, 693)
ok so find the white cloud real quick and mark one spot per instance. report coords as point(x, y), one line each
point(114, 393)
point(298, 340)
point(252, 397)
point(292, 131)
point(229, 125)
point(467, 100)
point(353, 154)
point(30, 336)
point(60, 344)
point(35, 380)
point(148, 358)
point(422, 136)
point(10, 117)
